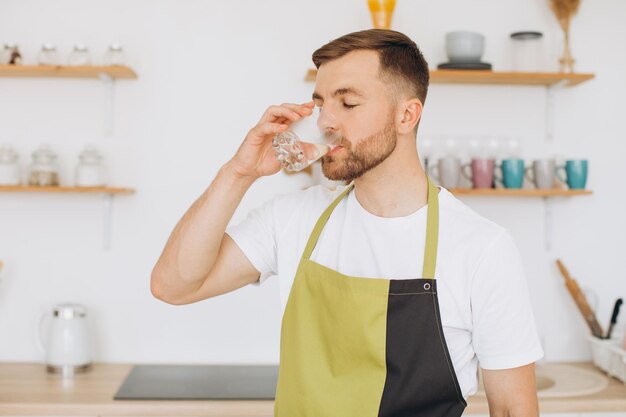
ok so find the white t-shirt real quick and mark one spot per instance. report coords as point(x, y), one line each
point(483, 296)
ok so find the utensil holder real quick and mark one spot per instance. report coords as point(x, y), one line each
point(609, 356)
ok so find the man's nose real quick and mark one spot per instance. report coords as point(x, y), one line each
point(327, 123)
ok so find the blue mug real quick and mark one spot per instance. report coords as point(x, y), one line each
point(512, 173)
point(575, 173)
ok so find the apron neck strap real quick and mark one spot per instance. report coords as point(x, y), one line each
point(432, 228)
point(321, 222)
point(432, 232)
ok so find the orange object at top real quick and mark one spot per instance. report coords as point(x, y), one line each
point(382, 11)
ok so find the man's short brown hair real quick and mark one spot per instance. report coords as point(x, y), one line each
point(402, 65)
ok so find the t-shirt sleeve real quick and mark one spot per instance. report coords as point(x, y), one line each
point(256, 237)
point(504, 330)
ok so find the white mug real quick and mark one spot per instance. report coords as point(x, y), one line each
point(447, 172)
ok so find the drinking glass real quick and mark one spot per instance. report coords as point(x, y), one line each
point(306, 141)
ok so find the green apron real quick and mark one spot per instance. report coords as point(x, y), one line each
point(365, 347)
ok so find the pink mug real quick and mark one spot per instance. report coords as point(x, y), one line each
point(480, 172)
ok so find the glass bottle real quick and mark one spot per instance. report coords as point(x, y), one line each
point(9, 166)
point(493, 147)
point(80, 56)
point(114, 55)
point(294, 153)
point(48, 55)
point(89, 169)
point(511, 147)
point(44, 169)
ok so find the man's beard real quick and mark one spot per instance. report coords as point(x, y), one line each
point(368, 154)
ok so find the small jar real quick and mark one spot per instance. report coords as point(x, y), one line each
point(9, 166)
point(48, 55)
point(114, 55)
point(90, 169)
point(79, 56)
point(5, 54)
point(527, 51)
point(10, 55)
point(44, 169)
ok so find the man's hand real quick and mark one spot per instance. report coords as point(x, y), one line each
point(199, 260)
point(511, 392)
point(255, 157)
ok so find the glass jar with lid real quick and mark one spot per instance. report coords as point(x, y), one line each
point(10, 54)
point(79, 56)
point(5, 53)
point(48, 55)
point(9, 165)
point(44, 168)
point(527, 51)
point(90, 170)
point(114, 55)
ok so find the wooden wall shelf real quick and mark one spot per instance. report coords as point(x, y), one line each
point(508, 78)
point(107, 193)
point(59, 71)
point(509, 192)
point(65, 189)
point(497, 77)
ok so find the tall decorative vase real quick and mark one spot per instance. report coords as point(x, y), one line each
point(382, 11)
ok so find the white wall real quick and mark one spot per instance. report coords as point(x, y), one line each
point(207, 71)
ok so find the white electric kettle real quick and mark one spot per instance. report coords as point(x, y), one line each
point(63, 338)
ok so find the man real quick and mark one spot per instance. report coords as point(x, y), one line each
point(393, 291)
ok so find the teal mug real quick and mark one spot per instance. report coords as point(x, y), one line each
point(512, 173)
point(575, 173)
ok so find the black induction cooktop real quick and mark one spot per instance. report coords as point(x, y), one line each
point(199, 382)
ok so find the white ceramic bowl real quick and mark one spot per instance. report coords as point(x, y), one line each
point(464, 46)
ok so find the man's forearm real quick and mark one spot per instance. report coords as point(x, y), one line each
point(193, 246)
point(527, 410)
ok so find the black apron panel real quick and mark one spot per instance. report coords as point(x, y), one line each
point(420, 378)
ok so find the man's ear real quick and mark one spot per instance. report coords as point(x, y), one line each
point(411, 113)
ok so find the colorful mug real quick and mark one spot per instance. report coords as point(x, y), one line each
point(447, 172)
point(542, 173)
point(576, 173)
point(480, 172)
point(512, 173)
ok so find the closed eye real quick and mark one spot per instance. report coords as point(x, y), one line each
point(347, 106)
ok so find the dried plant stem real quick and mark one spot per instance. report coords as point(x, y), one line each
point(567, 61)
point(564, 10)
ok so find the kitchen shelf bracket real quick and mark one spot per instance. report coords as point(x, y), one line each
point(551, 107)
point(107, 200)
point(547, 223)
point(109, 102)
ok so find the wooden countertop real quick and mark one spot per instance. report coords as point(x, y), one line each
point(26, 389)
